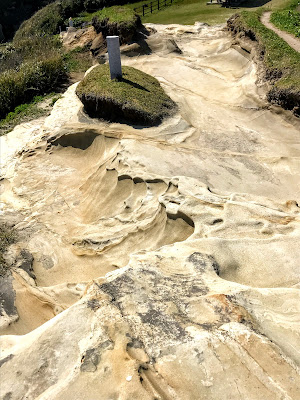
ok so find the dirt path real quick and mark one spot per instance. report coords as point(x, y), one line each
point(290, 39)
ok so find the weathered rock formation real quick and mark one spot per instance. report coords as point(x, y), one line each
point(158, 263)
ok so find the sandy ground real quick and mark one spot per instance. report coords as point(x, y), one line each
point(290, 39)
point(165, 259)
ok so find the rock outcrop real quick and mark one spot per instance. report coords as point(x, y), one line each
point(163, 262)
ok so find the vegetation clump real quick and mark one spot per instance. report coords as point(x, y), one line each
point(38, 107)
point(119, 21)
point(32, 77)
point(137, 98)
point(281, 62)
point(48, 20)
point(118, 14)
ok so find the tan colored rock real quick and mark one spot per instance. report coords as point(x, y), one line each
point(98, 45)
point(165, 259)
point(78, 37)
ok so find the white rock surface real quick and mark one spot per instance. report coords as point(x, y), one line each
point(166, 259)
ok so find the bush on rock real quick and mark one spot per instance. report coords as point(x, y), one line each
point(137, 98)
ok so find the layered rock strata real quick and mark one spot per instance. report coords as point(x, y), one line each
point(161, 263)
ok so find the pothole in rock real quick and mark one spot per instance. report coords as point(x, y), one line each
point(116, 216)
point(88, 213)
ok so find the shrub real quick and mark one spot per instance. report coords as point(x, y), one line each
point(32, 78)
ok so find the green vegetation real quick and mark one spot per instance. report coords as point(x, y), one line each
point(137, 97)
point(35, 63)
point(13, 12)
point(30, 67)
point(281, 61)
point(48, 19)
point(119, 21)
point(78, 60)
point(7, 237)
point(288, 19)
point(189, 11)
point(116, 14)
point(13, 55)
point(31, 78)
point(28, 111)
point(44, 22)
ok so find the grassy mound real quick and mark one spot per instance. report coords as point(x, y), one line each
point(115, 14)
point(280, 60)
point(120, 21)
point(137, 98)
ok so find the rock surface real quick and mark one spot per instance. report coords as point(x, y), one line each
point(158, 263)
point(75, 38)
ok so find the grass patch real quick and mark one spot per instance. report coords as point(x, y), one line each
point(35, 77)
point(281, 61)
point(78, 60)
point(27, 112)
point(187, 12)
point(7, 237)
point(29, 67)
point(137, 98)
point(48, 20)
point(115, 14)
point(288, 19)
point(13, 55)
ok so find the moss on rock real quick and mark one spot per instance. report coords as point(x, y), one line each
point(137, 98)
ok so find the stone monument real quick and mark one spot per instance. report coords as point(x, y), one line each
point(114, 56)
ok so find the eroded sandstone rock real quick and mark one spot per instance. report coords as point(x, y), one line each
point(165, 259)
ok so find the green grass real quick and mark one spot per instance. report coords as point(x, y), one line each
point(35, 77)
point(7, 237)
point(28, 111)
point(281, 61)
point(78, 60)
point(44, 22)
point(116, 14)
point(35, 63)
point(288, 19)
point(278, 55)
point(187, 12)
point(47, 20)
point(137, 97)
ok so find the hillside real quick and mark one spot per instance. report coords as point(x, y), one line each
point(14, 12)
